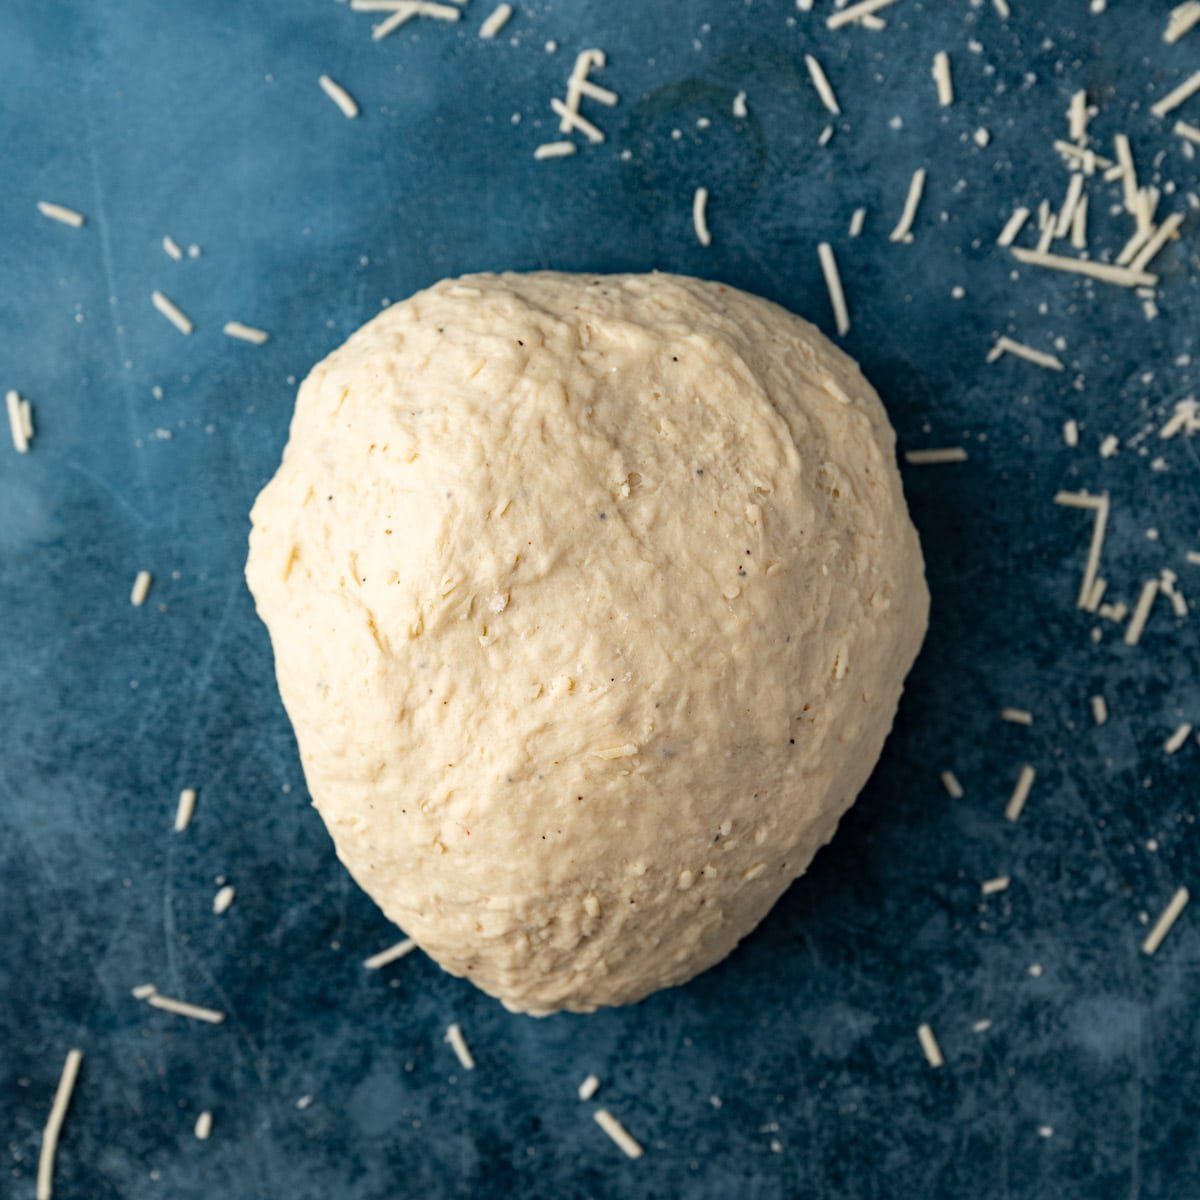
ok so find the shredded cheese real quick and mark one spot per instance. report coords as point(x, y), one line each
point(1100, 505)
point(181, 1008)
point(1174, 743)
point(571, 119)
point(339, 96)
point(390, 955)
point(1007, 345)
point(903, 231)
point(1077, 116)
point(589, 1087)
point(172, 312)
point(619, 1134)
point(458, 1043)
point(1174, 98)
point(856, 12)
point(700, 216)
point(1164, 233)
point(1099, 710)
point(1012, 227)
point(185, 808)
point(246, 333)
point(1162, 926)
point(929, 458)
point(1190, 132)
point(739, 106)
point(61, 213)
point(857, 221)
point(16, 422)
point(499, 18)
point(1141, 612)
point(1070, 202)
point(141, 588)
point(929, 1044)
point(951, 784)
point(1193, 558)
point(54, 1124)
point(821, 82)
point(143, 991)
point(1183, 19)
point(990, 887)
point(1020, 793)
point(1017, 716)
point(1002, 8)
point(1079, 225)
point(171, 247)
point(203, 1127)
point(1071, 432)
point(554, 150)
point(223, 899)
point(1106, 273)
point(943, 79)
point(833, 282)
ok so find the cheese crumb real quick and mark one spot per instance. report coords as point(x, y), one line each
point(141, 588)
point(458, 1043)
point(54, 1124)
point(390, 955)
point(223, 899)
point(951, 784)
point(700, 216)
point(739, 106)
point(1162, 926)
point(1105, 272)
point(1018, 716)
point(990, 887)
point(929, 1044)
point(1099, 709)
point(619, 1134)
point(1020, 794)
point(203, 1127)
point(589, 1087)
point(19, 426)
point(1071, 432)
point(339, 96)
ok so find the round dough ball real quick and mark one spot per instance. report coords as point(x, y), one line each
point(591, 601)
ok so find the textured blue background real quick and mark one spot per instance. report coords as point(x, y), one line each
point(792, 1069)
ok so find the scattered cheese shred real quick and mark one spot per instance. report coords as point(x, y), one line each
point(857, 221)
point(204, 1124)
point(1071, 432)
point(929, 1044)
point(181, 1008)
point(1183, 19)
point(1007, 345)
point(1193, 558)
point(554, 150)
point(1012, 227)
point(141, 588)
point(1100, 505)
point(1174, 743)
point(990, 887)
point(930, 458)
point(185, 808)
point(500, 17)
point(619, 1134)
point(951, 784)
point(570, 119)
point(54, 1124)
point(1070, 202)
point(833, 282)
point(339, 96)
point(171, 246)
point(223, 899)
point(1020, 794)
point(700, 216)
point(903, 231)
point(1077, 116)
point(1162, 926)
point(172, 312)
point(856, 12)
point(1105, 272)
point(943, 79)
point(739, 106)
point(390, 955)
point(403, 11)
point(1190, 132)
point(1099, 710)
point(458, 1043)
point(589, 1087)
point(1141, 612)
point(1018, 716)
point(1150, 250)
point(1079, 225)
point(1174, 98)
point(17, 424)
point(821, 82)
point(1002, 8)
point(61, 213)
point(246, 333)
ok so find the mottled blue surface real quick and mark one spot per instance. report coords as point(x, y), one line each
point(792, 1069)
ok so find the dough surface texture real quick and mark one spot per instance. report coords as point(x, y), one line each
point(591, 601)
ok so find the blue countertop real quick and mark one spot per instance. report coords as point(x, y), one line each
point(793, 1069)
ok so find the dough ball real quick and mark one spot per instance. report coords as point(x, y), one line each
point(591, 602)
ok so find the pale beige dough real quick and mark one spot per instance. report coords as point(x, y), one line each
point(591, 601)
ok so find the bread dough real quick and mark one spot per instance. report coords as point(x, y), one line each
point(591, 601)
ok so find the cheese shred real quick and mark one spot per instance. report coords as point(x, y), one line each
point(1141, 612)
point(1100, 505)
point(1020, 793)
point(339, 96)
point(1174, 98)
point(943, 78)
point(700, 216)
point(18, 426)
point(458, 1043)
point(184, 809)
point(931, 458)
point(61, 213)
point(1162, 926)
point(833, 282)
point(1104, 272)
point(54, 1124)
point(589, 1087)
point(181, 1008)
point(500, 17)
point(856, 12)
point(619, 1134)
point(1099, 709)
point(820, 81)
point(390, 955)
point(1174, 743)
point(929, 1044)
point(140, 589)
point(1007, 345)
point(246, 333)
point(172, 312)
point(554, 150)
point(951, 784)
point(916, 188)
